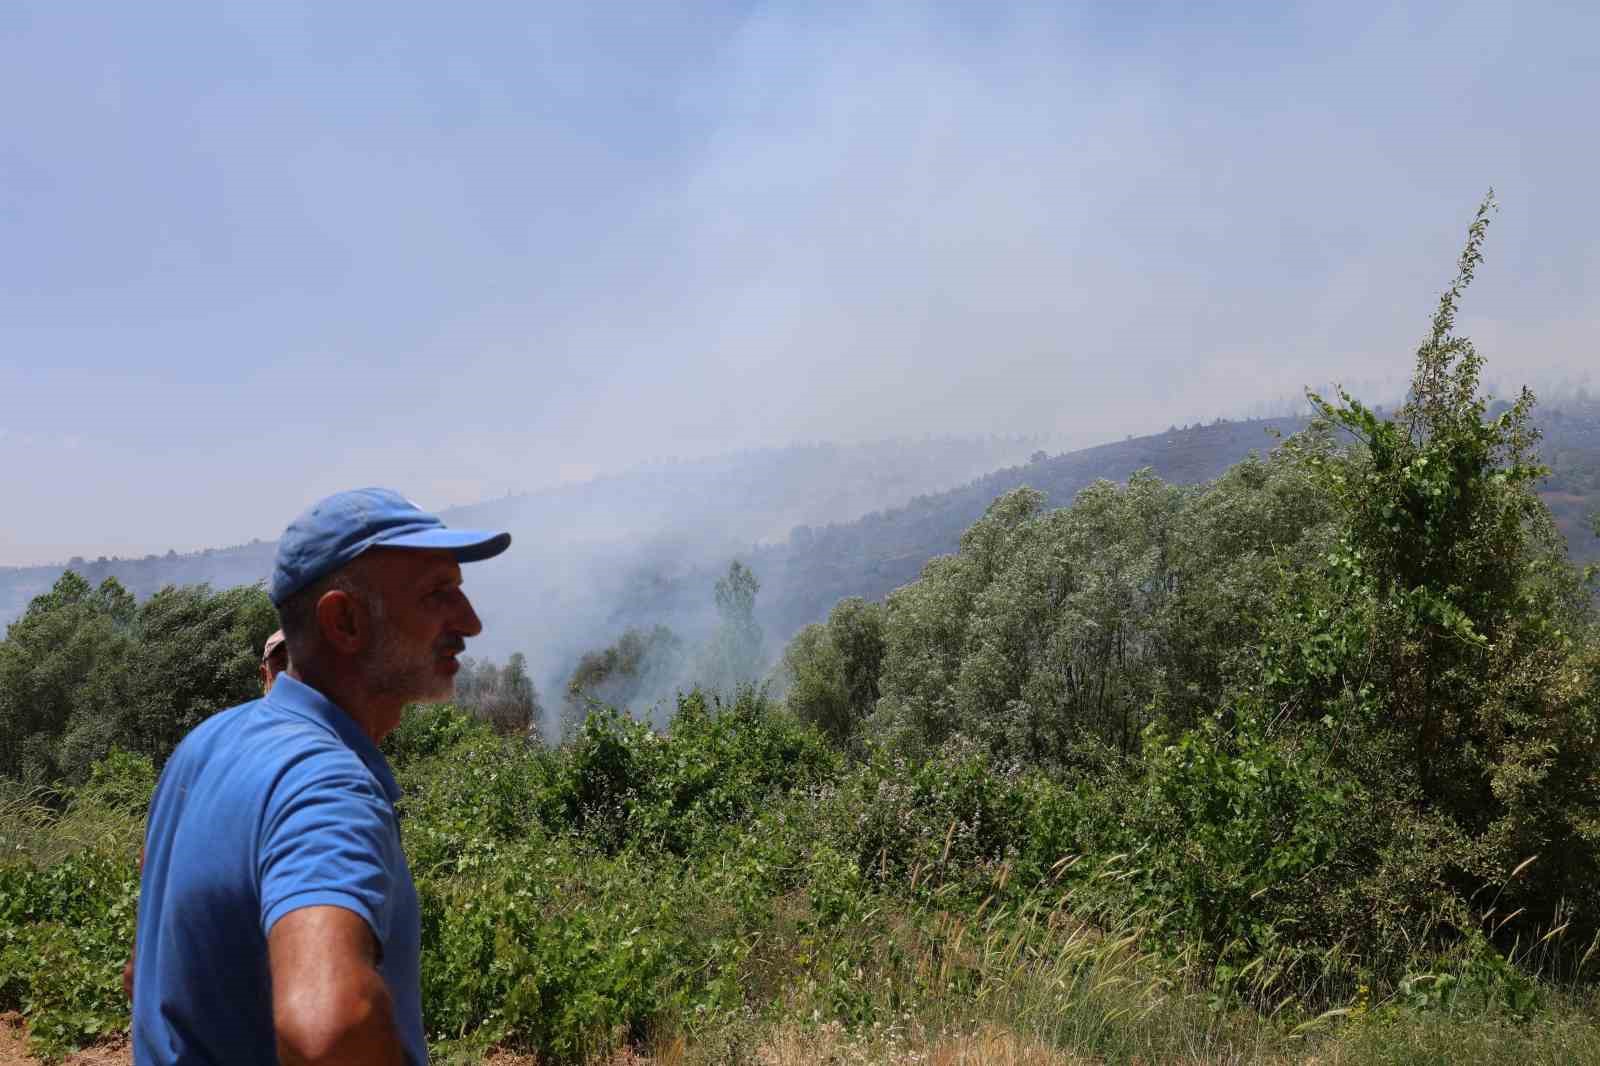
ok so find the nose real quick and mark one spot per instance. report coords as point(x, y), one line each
point(468, 624)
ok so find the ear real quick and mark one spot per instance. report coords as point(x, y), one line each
point(343, 621)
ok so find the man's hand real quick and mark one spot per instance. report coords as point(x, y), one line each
point(329, 1002)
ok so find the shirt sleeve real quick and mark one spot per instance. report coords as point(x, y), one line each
point(324, 841)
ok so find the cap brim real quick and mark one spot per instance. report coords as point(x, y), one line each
point(467, 545)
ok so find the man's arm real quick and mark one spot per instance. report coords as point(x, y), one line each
point(329, 1002)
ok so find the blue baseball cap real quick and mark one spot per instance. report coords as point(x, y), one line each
point(333, 531)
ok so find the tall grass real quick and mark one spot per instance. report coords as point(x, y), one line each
point(44, 826)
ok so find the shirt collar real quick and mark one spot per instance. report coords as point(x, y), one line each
point(301, 700)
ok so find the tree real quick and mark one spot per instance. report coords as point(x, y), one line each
point(734, 655)
point(85, 670)
point(505, 697)
point(198, 653)
point(640, 665)
point(830, 670)
point(59, 663)
point(1445, 641)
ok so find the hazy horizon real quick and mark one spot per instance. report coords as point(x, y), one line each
point(259, 252)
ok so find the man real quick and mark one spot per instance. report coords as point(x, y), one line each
point(274, 660)
point(277, 921)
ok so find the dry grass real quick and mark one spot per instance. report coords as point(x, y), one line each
point(831, 1045)
point(32, 825)
point(987, 1047)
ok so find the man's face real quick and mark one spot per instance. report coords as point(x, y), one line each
point(420, 620)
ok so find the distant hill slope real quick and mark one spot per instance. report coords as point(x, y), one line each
point(645, 547)
point(576, 543)
point(880, 552)
point(1571, 448)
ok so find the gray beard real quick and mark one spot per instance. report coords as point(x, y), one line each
point(392, 670)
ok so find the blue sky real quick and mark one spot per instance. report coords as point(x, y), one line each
point(251, 253)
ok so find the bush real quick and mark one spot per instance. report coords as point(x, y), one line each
point(65, 931)
point(121, 782)
point(428, 729)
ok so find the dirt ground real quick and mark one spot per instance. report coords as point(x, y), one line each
point(794, 1048)
point(13, 1048)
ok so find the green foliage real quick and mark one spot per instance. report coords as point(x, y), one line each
point(830, 670)
point(64, 935)
point(609, 883)
point(640, 664)
point(428, 729)
point(1058, 636)
point(560, 955)
point(633, 883)
point(621, 783)
point(1252, 828)
point(64, 671)
point(198, 653)
point(121, 781)
point(85, 671)
point(1443, 638)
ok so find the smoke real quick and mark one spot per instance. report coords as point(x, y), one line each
point(467, 253)
point(589, 562)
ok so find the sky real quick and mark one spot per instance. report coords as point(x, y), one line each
point(255, 252)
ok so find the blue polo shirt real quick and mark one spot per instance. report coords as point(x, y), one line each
point(265, 808)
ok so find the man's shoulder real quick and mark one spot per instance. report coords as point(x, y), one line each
point(212, 732)
point(268, 739)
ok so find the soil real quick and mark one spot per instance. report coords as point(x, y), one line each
point(13, 1048)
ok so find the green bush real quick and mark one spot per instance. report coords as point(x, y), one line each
point(1228, 838)
point(426, 730)
point(65, 931)
point(122, 781)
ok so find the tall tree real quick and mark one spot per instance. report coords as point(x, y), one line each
point(1444, 640)
point(85, 670)
point(735, 653)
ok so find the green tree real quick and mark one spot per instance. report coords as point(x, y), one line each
point(928, 623)
point(735, 653)
point(639, 665)
point(64, 668)
point(1060, 635)
point(84, 671)
point(830, 670)
point(1445, 640)
point(198, 653)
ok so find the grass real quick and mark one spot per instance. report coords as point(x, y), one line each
point(42, 826)
point(762, 945)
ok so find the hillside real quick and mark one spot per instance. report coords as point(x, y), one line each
point(1162, 774)
point(582, 548)
point(644, 548)
point(882, 551)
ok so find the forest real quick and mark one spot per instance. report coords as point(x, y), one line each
point(1296, 760)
